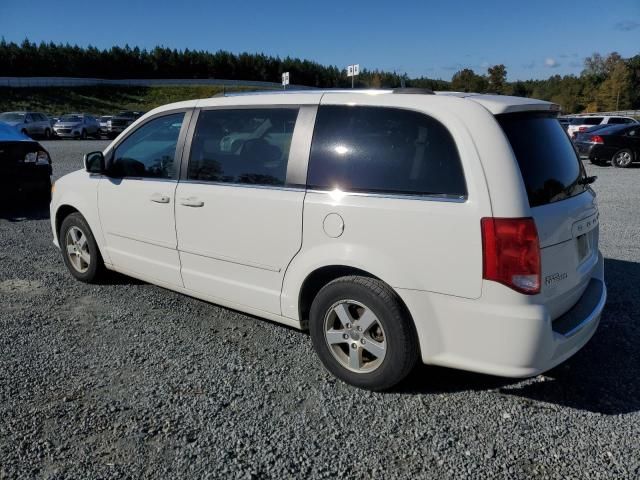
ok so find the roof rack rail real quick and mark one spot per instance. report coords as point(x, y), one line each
point(414, 90)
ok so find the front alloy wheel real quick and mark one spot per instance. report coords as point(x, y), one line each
point(78, 250)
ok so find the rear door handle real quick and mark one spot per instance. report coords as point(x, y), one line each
point(191, 202)
point(159, 198)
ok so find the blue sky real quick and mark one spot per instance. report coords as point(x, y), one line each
point(534, 39)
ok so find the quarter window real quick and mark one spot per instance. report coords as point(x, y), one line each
point(149, 152)
point(386, 150)
point(245, 146)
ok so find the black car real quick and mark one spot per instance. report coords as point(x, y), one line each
point(118, 123)
point(618, 144)
point(25, 166)
point(582, 140)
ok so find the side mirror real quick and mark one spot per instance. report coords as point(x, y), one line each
point(94, 162)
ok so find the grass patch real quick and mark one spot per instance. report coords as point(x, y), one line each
point(103, 100)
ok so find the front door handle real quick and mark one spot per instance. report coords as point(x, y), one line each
point(191, 202)
point(159, 198)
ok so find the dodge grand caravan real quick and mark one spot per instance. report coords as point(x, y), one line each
point(458, 229)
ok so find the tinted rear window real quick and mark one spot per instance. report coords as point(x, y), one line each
point(548, 162)
point(384, 150)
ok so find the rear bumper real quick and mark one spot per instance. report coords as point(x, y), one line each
point(509, 339)
point(32, 179)
point(584, 149)
point(602, 153)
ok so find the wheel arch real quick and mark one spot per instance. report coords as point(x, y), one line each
point(321, 276)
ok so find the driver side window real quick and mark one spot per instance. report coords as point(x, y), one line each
point(149, 152)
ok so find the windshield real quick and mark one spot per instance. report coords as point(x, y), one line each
point(586, 121)
point(549, 165)
point(12, 117)
point(71, 118)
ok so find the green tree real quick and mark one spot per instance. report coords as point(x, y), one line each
point(497, 78)
point(467, 80)
point(615, 92)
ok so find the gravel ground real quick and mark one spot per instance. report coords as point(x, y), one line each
point(127, 380)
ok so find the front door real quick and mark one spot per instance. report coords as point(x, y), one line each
point(239, 220)
point(136, 200)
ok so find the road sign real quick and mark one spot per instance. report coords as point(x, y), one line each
point(352, 71)
point(285, 79)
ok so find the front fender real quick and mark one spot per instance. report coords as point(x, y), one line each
point(79, 190)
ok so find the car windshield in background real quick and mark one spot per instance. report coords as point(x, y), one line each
point(548, 162)
point(11, 117)
point(586, 121)
point(71, 118)
point(126, 114)
point(104, 119)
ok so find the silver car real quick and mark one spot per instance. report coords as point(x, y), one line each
point(32, 124)
point(77, 125)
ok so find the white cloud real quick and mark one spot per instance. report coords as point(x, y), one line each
point(551, 62)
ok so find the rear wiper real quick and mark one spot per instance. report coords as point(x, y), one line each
point(587, 180)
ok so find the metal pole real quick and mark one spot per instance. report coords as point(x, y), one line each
point(352, 77)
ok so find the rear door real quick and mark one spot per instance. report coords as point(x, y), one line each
point(238, 203)
point(563, 207)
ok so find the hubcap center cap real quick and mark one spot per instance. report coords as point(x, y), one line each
point(354, 335)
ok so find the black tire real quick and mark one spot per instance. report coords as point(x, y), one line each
point(24, 132)
point(622, 158)
point(47, 133)
point(399, 334)
point(83, 135)
point(95, 268)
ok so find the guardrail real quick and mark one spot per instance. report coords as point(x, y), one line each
point(24, 82)
point(619, 113)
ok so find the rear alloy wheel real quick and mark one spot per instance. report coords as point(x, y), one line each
point(362, 332)
point(79, 249)
point(622, 159)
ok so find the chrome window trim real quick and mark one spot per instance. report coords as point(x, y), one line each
point(398, 196)
point(291, 188)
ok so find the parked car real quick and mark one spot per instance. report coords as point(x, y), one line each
point(581, 139)
point(25, 166)
point(77, 125)
point(104, 124)
point(580, 124)
point(32, 124)
point(118, 123)
point(618, 144)
point(457, 229)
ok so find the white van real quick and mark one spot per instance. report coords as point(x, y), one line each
point(394, 225)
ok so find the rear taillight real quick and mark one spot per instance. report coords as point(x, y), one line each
point(511, 253)
point(582, 129)
point(596, 139)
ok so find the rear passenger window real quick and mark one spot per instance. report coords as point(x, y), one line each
point(383, 150)
point(246, 146)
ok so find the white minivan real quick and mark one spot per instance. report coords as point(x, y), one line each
point(394, 225)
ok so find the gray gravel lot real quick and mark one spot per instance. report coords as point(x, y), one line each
point(127, 380)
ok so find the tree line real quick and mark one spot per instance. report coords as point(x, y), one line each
point(607, 82)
